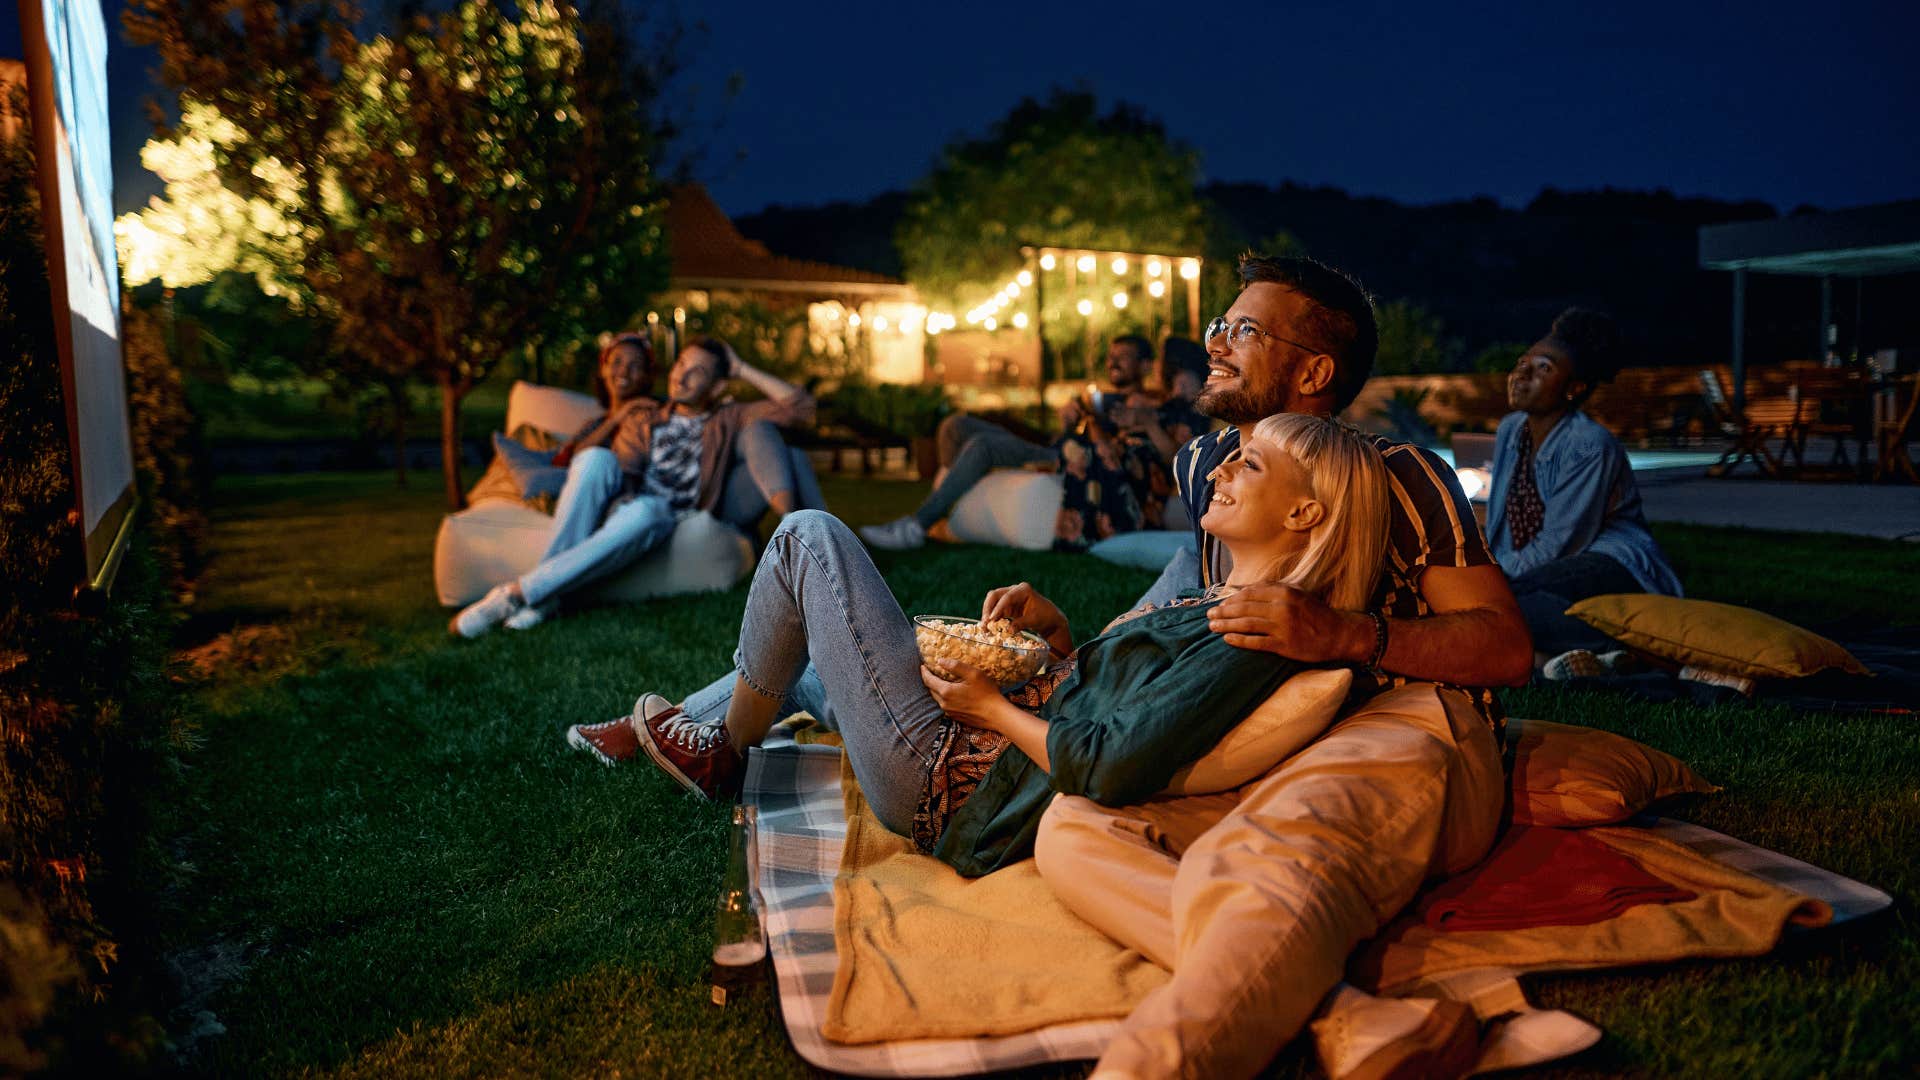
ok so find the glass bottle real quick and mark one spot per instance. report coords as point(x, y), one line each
point(738, 945)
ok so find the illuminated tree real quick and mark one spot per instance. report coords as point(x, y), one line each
point(1056, 172)
point(474, 184)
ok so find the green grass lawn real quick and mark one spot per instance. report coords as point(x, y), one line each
point(395, 865)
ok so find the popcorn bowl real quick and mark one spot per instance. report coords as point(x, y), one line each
point(1008, 656)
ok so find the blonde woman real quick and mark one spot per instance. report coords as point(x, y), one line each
point(963, 769)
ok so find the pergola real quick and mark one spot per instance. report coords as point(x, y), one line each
point(1869, 241)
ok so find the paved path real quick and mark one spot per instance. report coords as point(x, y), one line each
point(1888, 511)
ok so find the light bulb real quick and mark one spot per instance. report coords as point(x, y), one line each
point(1119, 299)
point(1047, 261)
point(1025, 277)
point(1156, 288)
point(1155, 268)
point(1189, 268)
point(853, 320)
point(992, 323)
point(1086, 264)
point(1084, 307)
point(1013, 290)
point(1119, 264)
point(1019, 320)
point(880, 322)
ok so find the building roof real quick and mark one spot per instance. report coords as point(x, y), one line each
point(1868, 240)
point(710, 253)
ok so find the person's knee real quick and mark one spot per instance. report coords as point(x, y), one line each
point(812, 526)
point(1062, 835)
point(594, 459)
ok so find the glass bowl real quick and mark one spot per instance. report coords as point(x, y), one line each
point(1009, 658)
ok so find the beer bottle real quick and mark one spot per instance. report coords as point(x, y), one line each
point(738, 945)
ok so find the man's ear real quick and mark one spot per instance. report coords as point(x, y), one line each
point(1305, 515)
point(1315, 376)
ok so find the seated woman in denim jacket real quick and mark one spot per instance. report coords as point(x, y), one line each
point(1563, 516)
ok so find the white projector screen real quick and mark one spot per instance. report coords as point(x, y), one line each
point(66, 46)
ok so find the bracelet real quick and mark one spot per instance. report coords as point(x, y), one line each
point(1379, 641)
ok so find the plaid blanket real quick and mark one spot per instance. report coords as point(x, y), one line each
point(802, 826)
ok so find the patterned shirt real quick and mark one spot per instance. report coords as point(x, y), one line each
point(1430, 523)
point(673, 467)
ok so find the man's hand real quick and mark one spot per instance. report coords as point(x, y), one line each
point(1072, 413)
point(969, 697)
point(1281, 619)
point(1024, 607)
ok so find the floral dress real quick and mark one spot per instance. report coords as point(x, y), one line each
point(1119, 484)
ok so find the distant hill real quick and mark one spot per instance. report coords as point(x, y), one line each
point(1491, 273)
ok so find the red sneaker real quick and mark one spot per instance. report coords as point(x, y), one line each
point(698, 756)
point(610, 742)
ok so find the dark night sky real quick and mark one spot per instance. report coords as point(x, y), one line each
point(1804, 103)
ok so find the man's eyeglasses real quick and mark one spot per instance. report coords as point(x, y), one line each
point(1240, 331)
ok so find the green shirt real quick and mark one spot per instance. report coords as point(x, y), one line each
point(1147, 698)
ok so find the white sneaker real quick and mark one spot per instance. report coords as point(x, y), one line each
point(487, 612)
point(901, 534)
point(532, 615)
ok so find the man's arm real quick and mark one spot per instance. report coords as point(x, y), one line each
point(791, 403)
point(1474, 636)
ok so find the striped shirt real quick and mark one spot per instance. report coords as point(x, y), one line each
point(1430, 524)
point(673, 466)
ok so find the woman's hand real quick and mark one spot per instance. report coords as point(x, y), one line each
point(1024, 607)
point(969, 697)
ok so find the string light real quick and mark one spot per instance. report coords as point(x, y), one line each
point(1047, 261)
point(1019, 320)
point(1119, 264)
point(1155, 268)
point(1084, 307)
point(1189, 268)
point(1086, 264)
point(1013, 290)
point(853, 320)
point(653, 318)
point(1156, 288)
point(1119, 299)
point(991, 323)
point(1025, 277)
point(880, 323)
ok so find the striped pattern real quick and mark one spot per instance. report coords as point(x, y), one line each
point(1431, 525)
point(802, 827)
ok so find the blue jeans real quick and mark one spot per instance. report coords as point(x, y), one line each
point(764, 467)
point(595, 538)
point(1545, 592)
point(971, 448)
point(817, 596)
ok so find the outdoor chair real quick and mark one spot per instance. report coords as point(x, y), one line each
point(1893, 434)
point(1833, 403)
point(1749, 428)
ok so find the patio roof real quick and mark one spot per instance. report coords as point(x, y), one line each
point(710, 253)
point(1862, 242)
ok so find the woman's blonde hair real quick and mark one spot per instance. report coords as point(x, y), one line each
point(1348, 547)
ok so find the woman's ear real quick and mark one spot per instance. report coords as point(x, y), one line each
point(1305, 515)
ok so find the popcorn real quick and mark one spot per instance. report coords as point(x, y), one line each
point(1008, 656)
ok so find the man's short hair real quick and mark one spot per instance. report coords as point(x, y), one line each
point(1339, 318)
point(1142, 348)
point(1592, 340)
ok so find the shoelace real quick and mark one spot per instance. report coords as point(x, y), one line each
point(691, 735)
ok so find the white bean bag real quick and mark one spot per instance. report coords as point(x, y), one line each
point(499, 538)
point(1017, 508)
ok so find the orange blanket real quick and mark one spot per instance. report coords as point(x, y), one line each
point(1544, 877)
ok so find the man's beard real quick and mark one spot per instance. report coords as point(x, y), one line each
point(1238, 406)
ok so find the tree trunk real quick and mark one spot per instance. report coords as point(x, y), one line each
point(450, 443)
point(397, 394)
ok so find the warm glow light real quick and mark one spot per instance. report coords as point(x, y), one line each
point(1156, 288)
point(992, 324)
point(1025, 277)
point(1086, 264)
point(880, 322)
point(972, 317)
point(679, 315)
point(1084, 307)
point(1046, 261)
point(653, 318)
point(1189, 268)
point(1119, 299)
point(1119, 264)
point(1013, 290)
point(1155, 268)
point(1019, 320)
point(853, 320)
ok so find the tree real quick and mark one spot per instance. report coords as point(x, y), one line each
point(1413, 341)
point(475, 184)
point(1057, 172)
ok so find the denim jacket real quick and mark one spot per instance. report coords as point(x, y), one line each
point(1591, 500)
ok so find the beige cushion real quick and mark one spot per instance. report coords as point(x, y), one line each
point(1718, 637)
point(560, 413)
point(1292, 716)
point(500, 539)
point(1567, 776)
point(1009, 508)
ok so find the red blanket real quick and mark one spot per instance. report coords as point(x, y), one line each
point(1544, 877)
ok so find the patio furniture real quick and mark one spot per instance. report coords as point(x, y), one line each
point(1835, 403)
point(1894, 430)
point(1762, 419)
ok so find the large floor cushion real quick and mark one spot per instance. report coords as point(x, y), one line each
point(1009, 508)
point(496, 541)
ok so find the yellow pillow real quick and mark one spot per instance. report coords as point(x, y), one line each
point(1718, 637)
point(1292, 716)
point(1567, 776)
